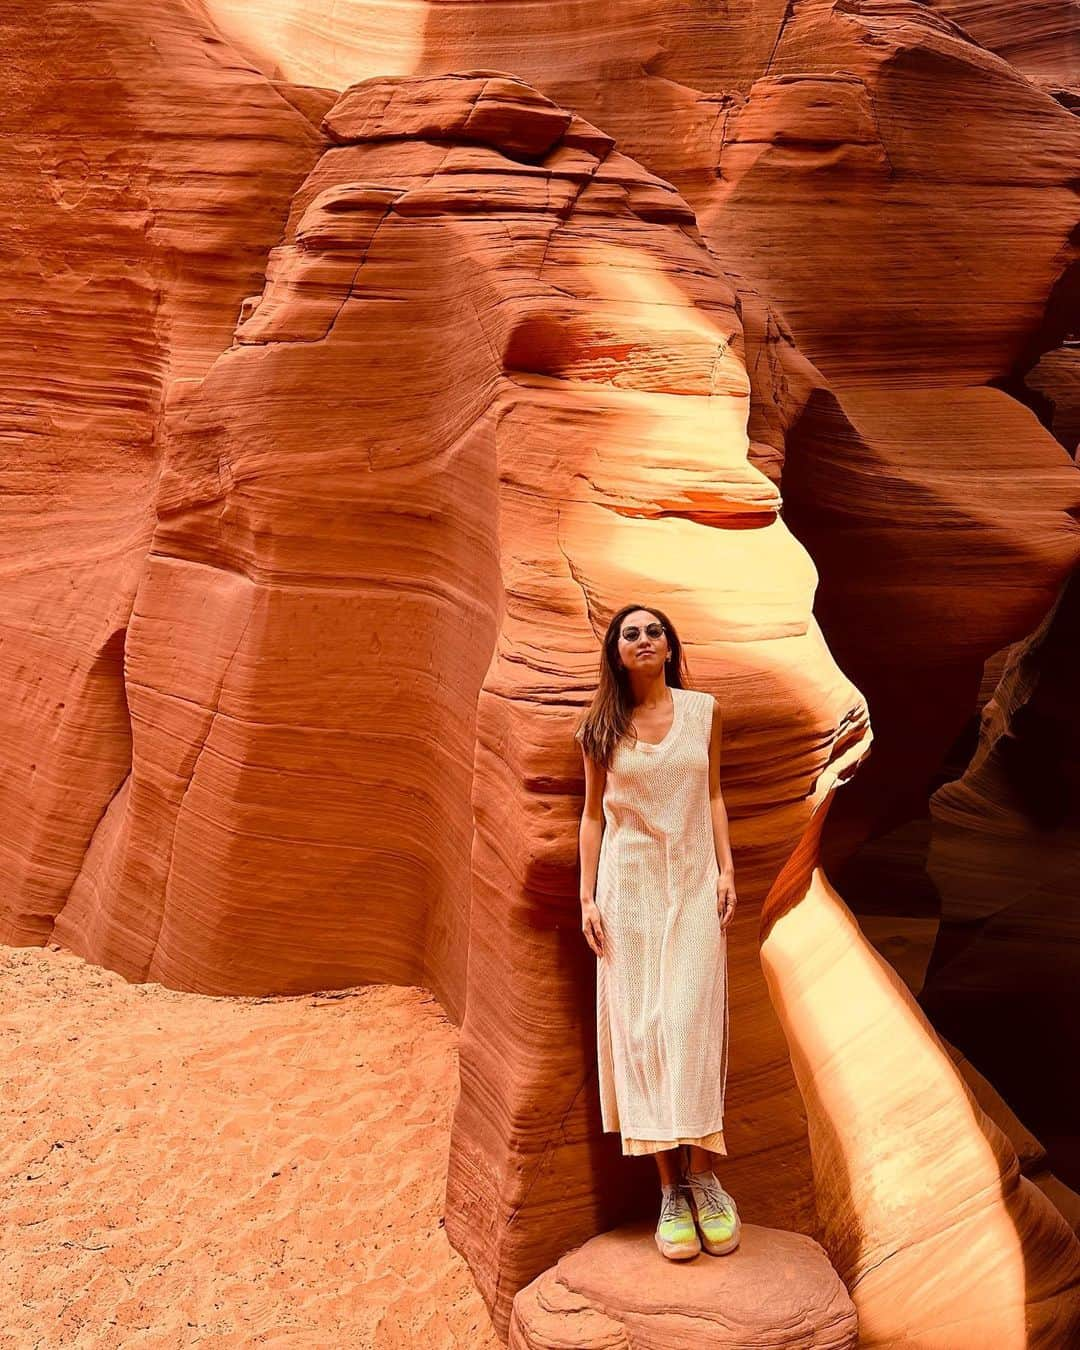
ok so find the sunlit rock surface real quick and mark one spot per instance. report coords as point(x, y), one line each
point(900, 190)
point(992, 1257)
point(897, 179)
point(147, 170)
point(298, 635)
point(328, 581)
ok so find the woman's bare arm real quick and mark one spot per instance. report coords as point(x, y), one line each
point(725, 886)
point(590, 835)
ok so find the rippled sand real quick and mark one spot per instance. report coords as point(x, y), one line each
point(182, 1170)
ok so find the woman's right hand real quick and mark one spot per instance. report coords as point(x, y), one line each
point(592, 927)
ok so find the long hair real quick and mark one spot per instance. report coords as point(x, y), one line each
point(607, 718)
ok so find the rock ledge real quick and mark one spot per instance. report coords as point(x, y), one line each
point(616, 1290)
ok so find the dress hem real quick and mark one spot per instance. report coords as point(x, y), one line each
point(713, 1141)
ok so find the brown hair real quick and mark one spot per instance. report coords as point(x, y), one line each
point(607, 718)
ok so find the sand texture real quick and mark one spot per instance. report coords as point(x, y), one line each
point(181, 1170)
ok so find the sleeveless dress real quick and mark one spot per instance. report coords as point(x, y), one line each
point(661, 987)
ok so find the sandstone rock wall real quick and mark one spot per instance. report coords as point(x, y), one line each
point(897, 179)
point(146, 173)
point(303, 607)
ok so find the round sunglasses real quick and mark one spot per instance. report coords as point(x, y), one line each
point(653, 630)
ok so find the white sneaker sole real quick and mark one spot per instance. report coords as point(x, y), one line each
point(722, 1248)
point(677, 1251)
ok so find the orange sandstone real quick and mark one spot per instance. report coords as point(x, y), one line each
point(500, 376)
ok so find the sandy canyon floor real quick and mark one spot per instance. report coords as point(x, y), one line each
point(222, 1172)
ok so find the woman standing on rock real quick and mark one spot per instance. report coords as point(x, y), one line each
point(657, 894)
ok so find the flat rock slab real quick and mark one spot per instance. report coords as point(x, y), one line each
point(616, 1292)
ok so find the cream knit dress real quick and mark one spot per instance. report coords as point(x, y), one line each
point(661, 987)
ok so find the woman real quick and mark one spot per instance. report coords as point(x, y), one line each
point(657, 895)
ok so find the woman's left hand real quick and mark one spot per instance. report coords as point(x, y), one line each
point(725, 897)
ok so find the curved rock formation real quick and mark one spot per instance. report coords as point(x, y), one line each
point(1041, 39)
point(1002, 855)
point(1055, 378)
point(901, 192)
point(880, 489)
point(939, 1238)
point(337, 594)
point(776, 1289)
point(146, 173)
point(897, 180)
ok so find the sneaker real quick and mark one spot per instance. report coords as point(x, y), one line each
point(676, 1235)
point(714, 1212)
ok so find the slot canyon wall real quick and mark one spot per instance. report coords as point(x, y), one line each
point(361, 361)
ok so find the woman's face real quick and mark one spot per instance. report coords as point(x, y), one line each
point(643, 643)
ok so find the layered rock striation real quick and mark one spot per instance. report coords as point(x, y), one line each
point(298, 633)
point(147, 171)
